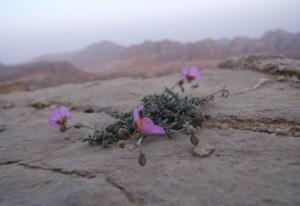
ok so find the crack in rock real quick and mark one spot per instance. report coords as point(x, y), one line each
point(78, 173)
point(10, 162)
point(281, 127)
point(38, 105)
point(127, 194)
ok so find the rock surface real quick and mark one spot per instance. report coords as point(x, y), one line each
point(255, 133)
point(273, 64)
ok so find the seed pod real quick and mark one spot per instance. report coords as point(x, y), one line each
point(181, 82)
point(225, 93)
point(194, 140)
point(78, 125)
point(142, 159)
point(189, 129)
point(121, 144)
point(123, 133)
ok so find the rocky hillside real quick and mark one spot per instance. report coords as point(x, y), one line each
point(272, 64)
point(108, 57)
point(43, 74)
point(149, 59)
point(254, 133)
point(95, 55)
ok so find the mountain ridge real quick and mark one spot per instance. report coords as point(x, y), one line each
point(44, 74)
point(106, 55)
point(106, 59)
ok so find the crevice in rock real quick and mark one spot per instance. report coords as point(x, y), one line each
point(43, 104)
point(10, 162)
point(127, 194)
point(78, 173)
point(6, 104)
point(94, 109)
point(280, 127)
point(83, 108)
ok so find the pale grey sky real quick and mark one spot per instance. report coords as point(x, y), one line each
point(33, 27)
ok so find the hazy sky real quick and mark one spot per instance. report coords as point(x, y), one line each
point(33, 27)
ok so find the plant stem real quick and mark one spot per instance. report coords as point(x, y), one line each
point(135, 142)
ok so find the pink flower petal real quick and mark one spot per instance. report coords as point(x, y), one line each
point(58, 114)
point(190, 72)
point(64, 112)
point(146, 126)
point(136, 114)
point(147, 120)
point(136, 117)
point(52, 123)
point(152, 129)
point(195, 73)
point(140, 108)
point(184, 72)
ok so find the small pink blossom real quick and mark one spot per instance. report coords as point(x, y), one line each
point(190, 73)
point(144, 124)
point(58, 117)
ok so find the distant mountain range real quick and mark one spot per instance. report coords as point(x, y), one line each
point(109, 57)
point(150, 58)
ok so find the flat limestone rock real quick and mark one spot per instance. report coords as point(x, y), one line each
point(254, 132)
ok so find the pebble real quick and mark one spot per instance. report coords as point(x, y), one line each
point(203, 150)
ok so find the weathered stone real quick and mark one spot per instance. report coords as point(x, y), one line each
point(250, 165)
point(273, 64)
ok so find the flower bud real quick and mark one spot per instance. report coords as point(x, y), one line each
point(194, 140)
point(123, 133)
point(142, 159)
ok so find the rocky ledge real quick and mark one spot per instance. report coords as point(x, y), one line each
point(254, 133)
point(272, 64)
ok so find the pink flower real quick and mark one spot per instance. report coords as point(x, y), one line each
point(58, 117)
point(144, 124)
point(190, 73)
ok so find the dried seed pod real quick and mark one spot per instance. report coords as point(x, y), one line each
point(121, 144)
point(225, 93)
point(123, 134)
point(180, 84)
point(194, 140)
point(189, 129)
point(142, 159)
